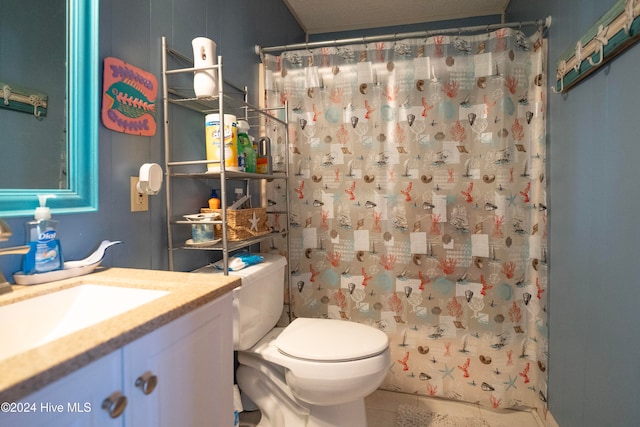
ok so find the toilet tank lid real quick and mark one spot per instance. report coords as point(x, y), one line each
point(256, 272)
point(330, 340)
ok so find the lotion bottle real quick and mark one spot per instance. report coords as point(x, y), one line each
point(46, 253)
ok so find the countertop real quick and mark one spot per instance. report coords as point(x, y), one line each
point(27, 372)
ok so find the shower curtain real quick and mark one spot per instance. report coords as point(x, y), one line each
point(418, 204)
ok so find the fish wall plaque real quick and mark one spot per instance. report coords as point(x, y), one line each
point(128, 98)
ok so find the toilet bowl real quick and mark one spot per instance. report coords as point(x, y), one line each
point(314, 376)
point(313, 372)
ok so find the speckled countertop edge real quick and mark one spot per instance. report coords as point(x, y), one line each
point(32, 370)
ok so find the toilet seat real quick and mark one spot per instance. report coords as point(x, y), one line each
point(330, 340)
point(318, 382)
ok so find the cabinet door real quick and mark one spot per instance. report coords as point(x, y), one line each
point(72, 401)
point(192, 360)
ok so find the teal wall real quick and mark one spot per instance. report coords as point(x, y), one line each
point(131, 31)
point(594, 378)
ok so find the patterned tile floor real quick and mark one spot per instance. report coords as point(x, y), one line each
point(382, 406)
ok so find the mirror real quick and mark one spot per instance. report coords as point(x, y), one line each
point(79, 192)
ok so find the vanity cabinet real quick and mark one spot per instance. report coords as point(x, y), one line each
point(178, 375)
point(74, 400)
point(192, 360)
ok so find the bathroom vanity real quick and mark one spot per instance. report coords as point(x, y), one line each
point(166, 362)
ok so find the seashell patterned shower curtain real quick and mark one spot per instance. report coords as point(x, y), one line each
point(418, 205)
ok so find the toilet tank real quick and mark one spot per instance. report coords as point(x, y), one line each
point(258, 302)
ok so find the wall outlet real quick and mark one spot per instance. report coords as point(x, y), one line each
point(139, 201)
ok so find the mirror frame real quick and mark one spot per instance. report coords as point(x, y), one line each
point(82, 122)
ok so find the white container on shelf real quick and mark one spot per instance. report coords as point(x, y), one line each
point(214, 138)
point(204, 55)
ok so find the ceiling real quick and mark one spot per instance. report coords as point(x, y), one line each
point(328, 16)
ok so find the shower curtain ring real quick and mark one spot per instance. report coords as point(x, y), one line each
point(541, 26)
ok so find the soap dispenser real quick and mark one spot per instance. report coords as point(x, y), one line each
point(42, 237)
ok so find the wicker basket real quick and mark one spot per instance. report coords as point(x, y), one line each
point(242, 223)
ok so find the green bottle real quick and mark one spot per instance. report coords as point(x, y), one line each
point(245, 147)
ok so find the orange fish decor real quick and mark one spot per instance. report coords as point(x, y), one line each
point(128, 98)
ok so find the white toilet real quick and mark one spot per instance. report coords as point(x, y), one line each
point(314, 372)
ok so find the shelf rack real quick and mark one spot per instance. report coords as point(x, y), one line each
point(185, 98)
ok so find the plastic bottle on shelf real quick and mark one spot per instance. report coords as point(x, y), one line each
point(214, 200)
point(218, 139)
point(245, 147)
point(264, 164)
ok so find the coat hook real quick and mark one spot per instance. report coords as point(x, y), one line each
point(601, 40)
point(36, 102)
point(562, 68)
point(578, 56)
point(629, 15)
point(6, 93)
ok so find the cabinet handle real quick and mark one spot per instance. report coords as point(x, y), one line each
point(115, 404)
point(147, 382)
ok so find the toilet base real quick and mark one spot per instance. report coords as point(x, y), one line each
point(281, 409)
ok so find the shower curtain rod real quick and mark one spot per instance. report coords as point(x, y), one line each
point(544, 23)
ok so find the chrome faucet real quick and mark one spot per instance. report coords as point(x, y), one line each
point(5, 233)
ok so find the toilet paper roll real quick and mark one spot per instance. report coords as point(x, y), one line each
point(149, 178)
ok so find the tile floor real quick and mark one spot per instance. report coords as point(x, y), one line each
point(382, 406)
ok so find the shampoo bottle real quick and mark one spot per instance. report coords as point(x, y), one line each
point(46, 253)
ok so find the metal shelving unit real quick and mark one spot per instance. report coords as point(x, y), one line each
point(184, 98)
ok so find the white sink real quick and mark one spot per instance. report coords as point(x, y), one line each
point(36, 321)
